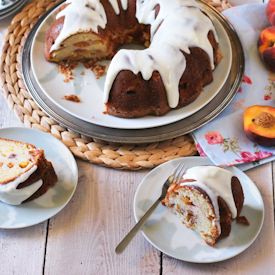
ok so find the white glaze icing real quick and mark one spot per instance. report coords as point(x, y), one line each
point(80, 16)
point(215, 181)
point(11, 195)
point(124, 4)
point(179, 25)
point(115, 5)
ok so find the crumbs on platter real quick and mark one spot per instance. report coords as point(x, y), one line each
point(67, 70)
point(98, 69)
point(73, 98)
point(242, 220)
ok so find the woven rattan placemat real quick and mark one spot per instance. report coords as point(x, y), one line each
point(119, 156)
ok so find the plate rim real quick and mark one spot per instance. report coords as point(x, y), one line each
point(207, 261)
point(9, 6)
point(156, 121)
point(74, 169)
point(142, 135)
point(12, 9)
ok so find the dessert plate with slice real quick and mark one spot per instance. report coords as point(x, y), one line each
point(56, 167)
point(165, 231)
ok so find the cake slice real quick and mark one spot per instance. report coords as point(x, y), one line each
point(206, 200)
point(25, 174)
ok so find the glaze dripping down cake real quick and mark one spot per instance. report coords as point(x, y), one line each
point(25, 174)
point(207, 200)
point(181, 50)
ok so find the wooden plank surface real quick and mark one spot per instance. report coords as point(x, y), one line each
point(7, 117)
point(82, 239)
point(21, 250)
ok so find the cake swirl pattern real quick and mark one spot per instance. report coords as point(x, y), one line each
point(207, 200)
point(216, 182)
point(80, 15)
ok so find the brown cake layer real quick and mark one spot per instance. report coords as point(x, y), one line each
point(45, 172)
point(224, 211)
point(132, 96)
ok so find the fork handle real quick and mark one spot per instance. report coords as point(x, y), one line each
point(126, 240)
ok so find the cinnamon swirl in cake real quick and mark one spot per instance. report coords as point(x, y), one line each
point(207, 200)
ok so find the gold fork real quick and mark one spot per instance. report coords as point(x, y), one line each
point(174, 178)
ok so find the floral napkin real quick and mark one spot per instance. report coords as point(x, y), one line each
point(223, 140)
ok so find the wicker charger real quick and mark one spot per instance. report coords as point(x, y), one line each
point(119, 156)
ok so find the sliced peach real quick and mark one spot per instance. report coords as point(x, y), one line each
point(266, 47)
point(259, 124)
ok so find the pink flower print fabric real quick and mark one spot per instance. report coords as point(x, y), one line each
point(223, 140)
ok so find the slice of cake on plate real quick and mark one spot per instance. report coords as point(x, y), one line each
point(207, 200)
point(25, 174)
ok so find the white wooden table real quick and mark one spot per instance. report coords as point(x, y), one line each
point(81, 239)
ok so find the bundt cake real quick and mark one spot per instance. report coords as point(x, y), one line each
point(181, 50)
point(25, 174)
point(207, 200)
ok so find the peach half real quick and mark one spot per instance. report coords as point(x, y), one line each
point(259, 124)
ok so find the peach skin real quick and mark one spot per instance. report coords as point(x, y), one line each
point(266, 47)
point(270, 12)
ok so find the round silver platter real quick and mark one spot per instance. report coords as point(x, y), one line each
point(184, 126)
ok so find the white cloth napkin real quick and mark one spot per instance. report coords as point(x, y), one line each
point(223, 140)
point(242, 2)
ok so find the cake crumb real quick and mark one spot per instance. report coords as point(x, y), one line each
point(73, 98)
point(10, 164)
point(67, 70)
point(242, 220)
point(23, 164)
point(98, 69)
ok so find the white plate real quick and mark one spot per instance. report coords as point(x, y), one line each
point(90, 89)
point(56, 198)
point(164, 230)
